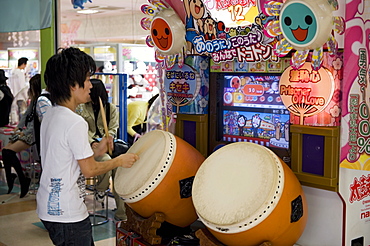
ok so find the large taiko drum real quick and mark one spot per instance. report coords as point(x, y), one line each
point(246, 195)
point(161, 180)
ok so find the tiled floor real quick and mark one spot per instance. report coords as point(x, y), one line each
point(19, 224)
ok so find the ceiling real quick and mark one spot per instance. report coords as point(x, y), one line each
point(117, 21)
point(105, 7)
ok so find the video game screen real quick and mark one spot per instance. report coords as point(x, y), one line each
point(253, 111)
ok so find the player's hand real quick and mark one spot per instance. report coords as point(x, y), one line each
point(136, 137)
point(94, 145)
point(128, 159)
point(102, 147)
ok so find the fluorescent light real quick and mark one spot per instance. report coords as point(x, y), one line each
point(87, 11)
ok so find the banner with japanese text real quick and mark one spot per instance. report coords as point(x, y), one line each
point(355, 129)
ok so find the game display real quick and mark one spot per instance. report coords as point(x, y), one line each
point(252, 110)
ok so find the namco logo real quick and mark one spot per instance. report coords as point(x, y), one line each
point(359, 189)
point(365, 215)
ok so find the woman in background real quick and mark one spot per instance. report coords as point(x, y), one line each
point(22, 138)
point(137, 113)
point(90, 111)
point(6, 100)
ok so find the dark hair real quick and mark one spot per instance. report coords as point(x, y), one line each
point(151, 100)
point(3, 78)
point(64, 70)
point(22, 60)
point(35, 87)
point(98, 90)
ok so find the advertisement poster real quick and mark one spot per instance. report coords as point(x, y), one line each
point(228, 31)
point(355, 134)
point(187, 87)
point(306, 92)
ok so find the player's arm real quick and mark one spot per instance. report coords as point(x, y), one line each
point(90, 168)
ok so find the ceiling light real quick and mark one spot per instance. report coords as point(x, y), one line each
point(87, 11)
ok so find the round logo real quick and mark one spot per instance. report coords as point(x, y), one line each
point(228, 98)
point(306, 92)
point(167, 32)
point(299, 24)
point(161, 34)
point(306, 24)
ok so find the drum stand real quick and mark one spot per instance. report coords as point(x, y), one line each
point(207, 239)
point(147, 228)
point(103, 218)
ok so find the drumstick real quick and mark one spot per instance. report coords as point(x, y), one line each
point(105, 123)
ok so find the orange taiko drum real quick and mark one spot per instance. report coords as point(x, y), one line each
point(161, 180)
point(246, 195)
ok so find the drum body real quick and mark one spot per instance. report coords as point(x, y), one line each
point(246, 195)
point(161, 180)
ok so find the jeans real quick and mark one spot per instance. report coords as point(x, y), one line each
point(71, 234)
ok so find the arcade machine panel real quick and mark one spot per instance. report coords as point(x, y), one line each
point(247, 108)
point(315, 155)
point(193, 129)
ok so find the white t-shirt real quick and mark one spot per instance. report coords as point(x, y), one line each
point(64, 140)
point(18, 84)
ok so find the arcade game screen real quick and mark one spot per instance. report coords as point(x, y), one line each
point(252, 110)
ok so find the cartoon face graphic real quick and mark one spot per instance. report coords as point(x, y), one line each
point(161, 34)
point(232, 32)
point(196, 8)
point(209, 26)
point(242, 120)
point(235, 82)
point(167, 32)
point(298, 23)
point(256, 121)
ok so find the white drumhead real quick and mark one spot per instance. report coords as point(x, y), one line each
point(156, 150)
point(237, 186)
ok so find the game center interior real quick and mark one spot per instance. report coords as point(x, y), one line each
point(263, 126)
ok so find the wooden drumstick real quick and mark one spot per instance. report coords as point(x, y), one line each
point(105, 123)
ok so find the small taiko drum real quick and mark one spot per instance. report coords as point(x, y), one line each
point(161, 180)
point(246, 195)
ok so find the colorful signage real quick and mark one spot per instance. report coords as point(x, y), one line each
point(306, 92)
point(181, 85)
point(233, 13)
point(227, 31)
point(304, 25)
point(167, 32)
point(356, 126)
point(355, 131)
point(31, 54)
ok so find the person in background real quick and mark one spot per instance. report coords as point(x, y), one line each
point(154, 117)
point(137, 112)
point(90, 111)
point(43, 103)
point(6, 99)
point(23, 138)
point(66, 154)
point(19, 86)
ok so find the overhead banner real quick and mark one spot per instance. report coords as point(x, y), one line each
point(25, 15)
point(227, 30)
